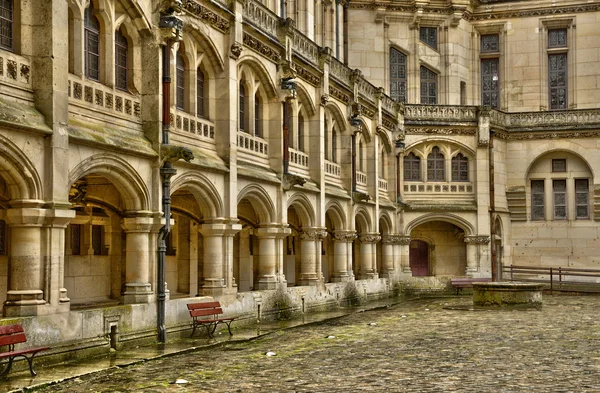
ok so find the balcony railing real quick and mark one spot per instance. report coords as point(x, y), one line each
point(466, 188)
point(440, 113)
point(382, 184)
point(253, 144)
point(261, 17)
point(298, 158)
point(361, 178)
point(192, 126)
point(104, 98)
point(333, 169)
point(15, 70)
point(305, 47)
point(340, 71)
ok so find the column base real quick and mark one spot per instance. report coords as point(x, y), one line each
point(137, 293)
point(341, 277)
point(309, 279)
point(24, 303)
point(266, 283)
point(368, 275)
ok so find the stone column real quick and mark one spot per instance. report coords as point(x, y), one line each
point(404, 242)
point(341, 268)
point(387, 257)
point(137, 259)
point(310, 263)
point(25, 295)
point(214, 258)
point(367, 254)
point(267, 254)
point(473, 251)
point(232, 228)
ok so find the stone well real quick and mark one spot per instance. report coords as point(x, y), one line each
point(490, 294)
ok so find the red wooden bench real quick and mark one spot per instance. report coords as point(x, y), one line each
point(11, 335)
point(207, 314)
point(462, 282)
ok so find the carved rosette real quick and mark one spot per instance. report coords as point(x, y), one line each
point(369, 238)
point(344, 237)
point(477, 239)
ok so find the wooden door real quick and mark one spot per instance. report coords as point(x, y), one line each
point(419, 258)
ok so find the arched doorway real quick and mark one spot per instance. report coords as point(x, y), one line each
point(419, 258)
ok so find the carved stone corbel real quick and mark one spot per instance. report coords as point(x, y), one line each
point(289, 180)
point(172, 153)
point(235, 50)
point(359, 196)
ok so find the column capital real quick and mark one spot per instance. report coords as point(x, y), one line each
point(403, 240)
point(141, 224)
point(390, 239)
point(273, 231)
point(23, 217)
point(317, 234)
point(477, 239)
point(344, 236)
point(369, 237)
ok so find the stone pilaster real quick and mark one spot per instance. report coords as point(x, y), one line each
point(310, 264)
point(404, 243)
point(387, 257)
point(367, 255)
point(268, 257)
point(213, 258)
point(474, 245)
point(137, 259)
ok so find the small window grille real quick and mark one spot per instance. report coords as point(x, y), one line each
point(537, 200)
point(582, 202)
point(6, 24)
point(490, 43)
point(559, 165)
point(557, 38)
point(428, 35)
point(412, 167)
point(559, 188)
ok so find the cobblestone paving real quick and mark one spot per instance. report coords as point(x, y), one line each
point(418, 346)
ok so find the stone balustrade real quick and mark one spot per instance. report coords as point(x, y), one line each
point(15, 70)
point(253, 144)
point(261, 17)
point(382, 184)
point(103, 98)
point(361, 178)
point(340, 71)
point(466, 188)
point(333, 169)
point(366, 90)
point(305, 47)
point(192, 126)
point(298, 158)
point(440, 113)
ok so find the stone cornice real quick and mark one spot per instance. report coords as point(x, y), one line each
point(209, 16)
point(439, 131)
point(265, 50)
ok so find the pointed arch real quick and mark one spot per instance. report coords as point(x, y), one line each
point(206, 194)
point(460, 222)
point(303, 208)
point(364, 218)
point(261, 73)
point(134, 192)
point(385, 138)
point(18, 172)
point(192, 26)
point(385, 219)
point(337, 214)
point(260, 200)
point(305, 98)
point(440, 141)
point(337, 115)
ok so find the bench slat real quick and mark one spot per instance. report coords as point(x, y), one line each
point(22, 352)
point(205, 312)
point(10, 329)
point(13, 339)
point(195, 306)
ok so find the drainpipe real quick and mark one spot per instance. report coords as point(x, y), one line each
point(354, 162)
point(286, 136)
point(166, 172)
point(337, 29)
point(496, 274)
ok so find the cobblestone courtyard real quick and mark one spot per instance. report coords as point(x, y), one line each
point(417, 346)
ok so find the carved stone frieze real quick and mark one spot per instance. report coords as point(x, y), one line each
point(554, 10)
point(369, 237)
point(315, 234)
point(344, 237)
point(308, 76)
point(477, 239)
point(212, 18)
point(265, 50)
point(440, 113)
point(439, 131)
point(340, 95)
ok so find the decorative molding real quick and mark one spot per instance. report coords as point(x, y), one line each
point(404, 240)
point(265, 50)
point(498, 14)
point(369, 238)
point(236, 50)
point(344, 237)
point(477, 239)
point(315, 234)
point(440, 113)
point(340, 95)
point(439, 131)
point(308, 76)
point(212, 18)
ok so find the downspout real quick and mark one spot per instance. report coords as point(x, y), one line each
point(337, 29)
point(286, 137)
point(353, 162)
point(166, 172)
point(496, 276)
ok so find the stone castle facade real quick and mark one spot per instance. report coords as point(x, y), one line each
point(339, 147)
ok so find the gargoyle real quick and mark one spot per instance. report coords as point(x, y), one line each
point(289, 180)
point(172, 153)
point(360, 196)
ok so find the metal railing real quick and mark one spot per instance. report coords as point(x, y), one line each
point(558, 278)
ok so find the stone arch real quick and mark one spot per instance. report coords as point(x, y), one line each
point(260, 200)
point(260, 72)
point(338, 116)
point(385, 138)
point(558, 146)
point(133, 189)
point(303, 209)
point(362, 216)
point(460, 222)
point(19, 173)
point(337, 214)
point(384, 218)
point(365, 130)
point(440, 141)
point(204, 191)
point(305, 98)
point(217, 64)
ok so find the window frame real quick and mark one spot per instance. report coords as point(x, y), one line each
point(436, 157)
point(587, 203)
point(257, 116)
point(241, 106)
point(558, 160)
point(431, 79)
point(555, 193)
point(180, 81)
point(430, 41)
point(11, 23)
point(459, 161)
point(402, 81)
point(543, 194)
point(412, 166)
point(90, 32)
point(200, 93)
point(123, 47)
